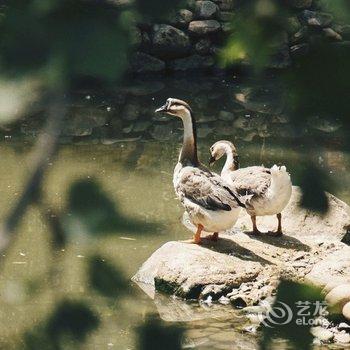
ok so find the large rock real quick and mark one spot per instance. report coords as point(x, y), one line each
point(316, 19)
point(142, 62)
point(82, 121)
point(169, 42)
point(182, 18)
point(246, 268)
point(201, 28)
point(206, 9)
point(185, 269)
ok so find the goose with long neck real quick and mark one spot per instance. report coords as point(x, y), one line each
point(265, 191)
point(209, 202)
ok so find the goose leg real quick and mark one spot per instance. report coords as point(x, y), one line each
point(255, 228)
point(197, 236)
point(214, 237)
point(279, 228)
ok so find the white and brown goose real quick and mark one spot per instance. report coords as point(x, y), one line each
point(209, 202)
point(265, 191)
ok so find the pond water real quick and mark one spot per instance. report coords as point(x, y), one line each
point(117, 140)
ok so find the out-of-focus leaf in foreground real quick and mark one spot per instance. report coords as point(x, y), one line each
point(105, 278)
point(91, 211)
point(313, 182)
point(70, 321)
point(156, 9)
point(154, 334)
point(283, 319)
point(258, 32)
point(65, 39)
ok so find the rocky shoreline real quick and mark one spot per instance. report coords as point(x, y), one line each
point(192, 37)
point(244, 270)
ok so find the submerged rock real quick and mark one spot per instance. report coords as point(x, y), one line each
point(194, 62)
point(182, 18)
point(142, 62)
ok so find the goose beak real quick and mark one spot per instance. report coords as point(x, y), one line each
point(212, 161)
point(162, 109)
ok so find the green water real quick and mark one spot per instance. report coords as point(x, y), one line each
point(138, 177)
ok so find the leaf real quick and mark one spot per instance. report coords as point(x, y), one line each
point(73, 318)
point(105, 278)
point(155, 334)
point(313, 182)
point(70, 320)
point(289, 295)
point(91, 211)
point(90, 38)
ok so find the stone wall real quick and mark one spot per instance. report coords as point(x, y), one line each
point(191, 38)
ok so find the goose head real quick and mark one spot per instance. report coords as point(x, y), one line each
point(220, 148)
point(175, 107)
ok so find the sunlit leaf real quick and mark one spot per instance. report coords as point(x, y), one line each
point(313, 182)
point(88, 37)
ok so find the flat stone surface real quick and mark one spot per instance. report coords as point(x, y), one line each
point(204, 27)
point(142, 62)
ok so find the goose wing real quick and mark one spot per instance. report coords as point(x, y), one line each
point(253, 180)
point(207, 189)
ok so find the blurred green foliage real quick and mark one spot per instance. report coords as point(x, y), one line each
point(157, 335)
point(106, 279)
point(91, 211)
point(63, 39)
point(293, 294)
point(71, 321)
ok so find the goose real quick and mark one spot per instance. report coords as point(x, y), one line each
point(210, 204)
point(266, 191)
